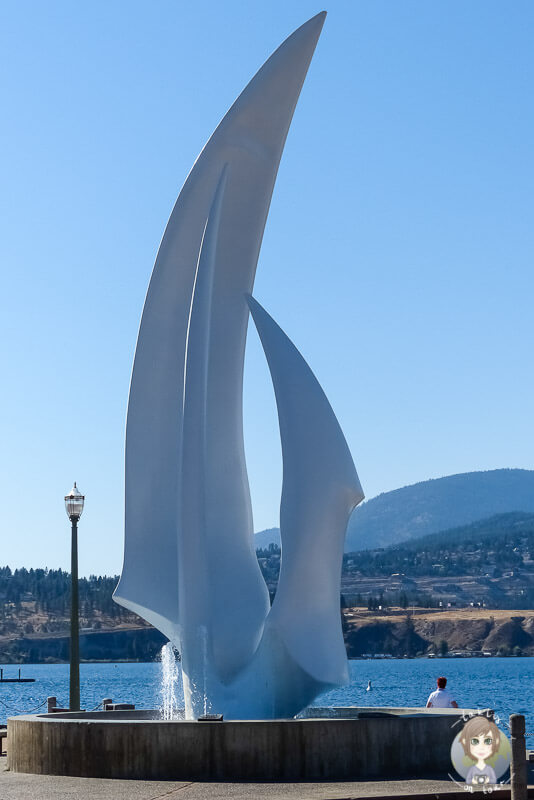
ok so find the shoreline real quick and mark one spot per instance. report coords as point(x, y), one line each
point(378, 657)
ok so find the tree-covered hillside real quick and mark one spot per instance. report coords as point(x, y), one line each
point(503, 542)
point(45, 594)
point(488, 563)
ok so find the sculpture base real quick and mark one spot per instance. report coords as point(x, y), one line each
point(371, 743)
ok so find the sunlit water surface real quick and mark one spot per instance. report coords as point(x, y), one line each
point(504, 684)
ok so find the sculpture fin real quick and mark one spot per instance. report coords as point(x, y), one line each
point(320, 489)
point(214, 576)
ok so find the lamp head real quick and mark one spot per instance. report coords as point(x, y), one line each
point(74, 503)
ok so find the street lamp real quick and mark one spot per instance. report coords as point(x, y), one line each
point(74, 507)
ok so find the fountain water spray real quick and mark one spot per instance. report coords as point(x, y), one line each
point(171, 683)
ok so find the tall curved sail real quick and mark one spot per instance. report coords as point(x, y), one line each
point(249, 140)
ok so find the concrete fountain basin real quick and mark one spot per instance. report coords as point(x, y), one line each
point(356, 743)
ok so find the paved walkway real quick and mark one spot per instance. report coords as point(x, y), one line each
point(16, 786)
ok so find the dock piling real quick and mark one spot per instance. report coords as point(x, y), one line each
point(518, 765)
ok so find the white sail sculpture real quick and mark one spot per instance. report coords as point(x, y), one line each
point(190, 567)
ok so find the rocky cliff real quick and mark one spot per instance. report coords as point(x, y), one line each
point(399, 634)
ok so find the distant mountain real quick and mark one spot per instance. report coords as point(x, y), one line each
point(267, 537)
point(435, 505)
point(432, 506)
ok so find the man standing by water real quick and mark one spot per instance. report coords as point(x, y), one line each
point(441, 698)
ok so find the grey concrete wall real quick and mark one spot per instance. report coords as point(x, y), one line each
point(307, 749)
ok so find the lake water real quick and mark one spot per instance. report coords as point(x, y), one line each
point(504, 684)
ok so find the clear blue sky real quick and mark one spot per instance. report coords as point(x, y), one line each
point(398, 253)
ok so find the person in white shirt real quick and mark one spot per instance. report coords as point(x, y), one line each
point(441, 698)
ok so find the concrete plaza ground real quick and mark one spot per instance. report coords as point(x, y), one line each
point(16, 786)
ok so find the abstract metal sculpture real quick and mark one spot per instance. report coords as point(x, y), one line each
point(190, 566)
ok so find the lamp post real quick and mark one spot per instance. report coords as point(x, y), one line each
point(74, 507)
